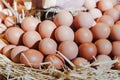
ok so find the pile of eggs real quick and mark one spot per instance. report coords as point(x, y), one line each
point(93, 35)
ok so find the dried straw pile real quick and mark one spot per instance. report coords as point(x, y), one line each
point(14, 71)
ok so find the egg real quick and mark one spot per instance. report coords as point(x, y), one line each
point(114, 13)
point(31, 58)
point(115, 48)
point(48, 46)
point(115, 32)
point(100, 31)
point(63, 18)
point(117, 64)
point(95, 12)
point(83, 35)
point(117, 7)
point(16, 52)
point(2, 17)
point(3, 28)
point(107, 20)
point(2, 44)
point(46, 28)
point(79, 61)
point(10, 21)
point(31, 39)
point(90, 4)
point(104, 59)
point(68, 49)
point(115, 2)
point(87, 50)
point(104, 46)
point(104, 5)
point(83, 19)
point(7, 50)
point(64, 33)
point(56, 60)
point(30, 23)
point(118, 22)
point(13, 35)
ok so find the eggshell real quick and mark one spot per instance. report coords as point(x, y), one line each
point(56, 60)
point(107, 20)
point(2, 44)
point(104, 5)
point(31, 58)
point(10, 21)
point(83, 19)
point(7, 50)
point(95, 12)
point(64, 33)
point(104, 46)
point(100, 31)
point(63, 18)
point(48, 46)
point(46, 28)
point(87, 50)
point(79, 61)
point(30, 23)
point(90, 4)
point(116, 48)
point(2, 28)
point(83, 35)
point(31, 39)
point(16, 52)
point(114, 13)
point(104, 58)
point(68, 49)
point(115, 32)
point(13, 35)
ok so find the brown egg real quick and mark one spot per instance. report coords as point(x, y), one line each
point(83, 19)
point(116, 48)
point(104, 5)
point(31, 58)
point(56, 60)
point(7, 50)
point(46, 28)
point(16, 52)
point(2, 16)
point(68, 49)
point(63, 18)
point(30, 23)
point(2, 28)
point(79, 61)
point(104, 46)
point(114, 13)
point(117, 64)
point(100, 31)
point(48, 46)
point(64, 33)
point(87, 50)
point(106, 19)
point(83, 35)
point(2, 44)
point(104, 59)
point(115, 32)
point(31, 39)
point(10, 21)
point(13, 35)
point(118, 22)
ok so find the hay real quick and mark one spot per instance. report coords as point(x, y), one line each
point(14, 71)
